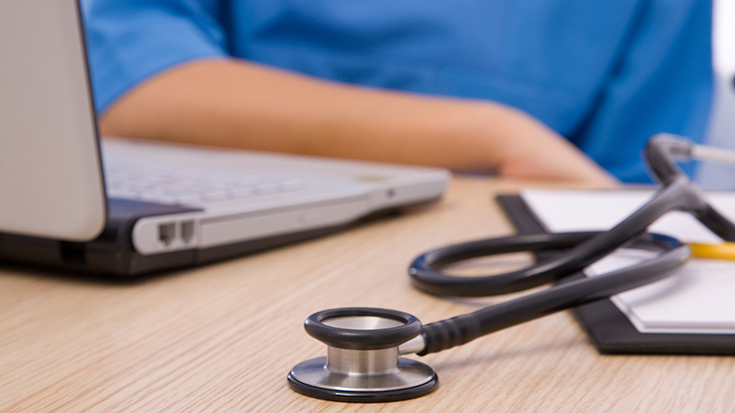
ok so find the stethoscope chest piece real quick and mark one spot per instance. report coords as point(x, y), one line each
point(362, 362)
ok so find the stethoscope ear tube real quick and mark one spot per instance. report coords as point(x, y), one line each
point(661, 152)
point(717, 223)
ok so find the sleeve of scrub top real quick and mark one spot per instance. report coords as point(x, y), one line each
point(663, 84)
point(131, 40)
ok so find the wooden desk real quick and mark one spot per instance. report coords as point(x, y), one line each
point(224, 337)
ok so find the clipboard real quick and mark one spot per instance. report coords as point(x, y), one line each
point(608, 328)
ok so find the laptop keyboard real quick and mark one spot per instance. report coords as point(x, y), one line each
point(190, 186)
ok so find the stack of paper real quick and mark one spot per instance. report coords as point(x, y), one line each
point(698, 298)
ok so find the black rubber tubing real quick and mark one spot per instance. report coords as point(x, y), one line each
point(582, 249)
point(462, 329)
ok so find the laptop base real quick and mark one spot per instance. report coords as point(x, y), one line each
point(112, 253)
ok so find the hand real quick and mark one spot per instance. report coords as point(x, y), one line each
point(532, 150)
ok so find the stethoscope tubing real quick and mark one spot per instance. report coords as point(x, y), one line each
point(577, 251)
point(582, 249)
point(462, 329)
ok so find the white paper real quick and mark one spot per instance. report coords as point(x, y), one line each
point(699, 298)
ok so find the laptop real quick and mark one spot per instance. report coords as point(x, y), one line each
point(125, 207)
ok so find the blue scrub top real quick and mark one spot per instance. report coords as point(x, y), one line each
point(604, 74)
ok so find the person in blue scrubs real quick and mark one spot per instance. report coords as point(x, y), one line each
point(556, 89)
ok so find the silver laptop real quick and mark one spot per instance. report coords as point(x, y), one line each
point(128, 207)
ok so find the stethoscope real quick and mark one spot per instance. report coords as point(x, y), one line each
point(364, 345)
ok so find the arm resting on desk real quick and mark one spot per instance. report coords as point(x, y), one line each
point(239, 104)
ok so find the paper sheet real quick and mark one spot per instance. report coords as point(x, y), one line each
point(699, 298)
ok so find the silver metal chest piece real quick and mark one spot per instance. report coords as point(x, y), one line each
point(362, 363)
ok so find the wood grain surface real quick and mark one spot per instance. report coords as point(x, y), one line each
point(222, 338)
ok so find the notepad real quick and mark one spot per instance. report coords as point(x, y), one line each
point(698, 299)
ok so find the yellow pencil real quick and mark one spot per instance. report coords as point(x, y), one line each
point(724, 251)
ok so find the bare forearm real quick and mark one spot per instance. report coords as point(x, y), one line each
point(243, 105)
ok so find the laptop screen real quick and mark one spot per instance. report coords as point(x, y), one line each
point(50, 173)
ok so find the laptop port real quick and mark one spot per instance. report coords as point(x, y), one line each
point(167, 233)
point(187, 231)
